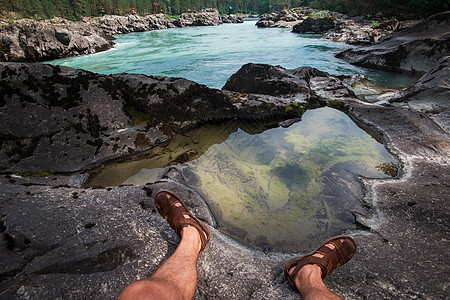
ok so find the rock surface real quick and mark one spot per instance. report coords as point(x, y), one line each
point(414, 49)
point(430, 94)
point(61, 240)
point(315, 25)
point(28, 40)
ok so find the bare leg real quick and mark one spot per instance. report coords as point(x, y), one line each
point(310, 284)
point(176, 278)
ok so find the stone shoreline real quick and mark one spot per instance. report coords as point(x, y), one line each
point(335, 26)
point(27, 40)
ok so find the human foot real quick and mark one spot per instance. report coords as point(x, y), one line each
point(330, 255)
point(174, 211)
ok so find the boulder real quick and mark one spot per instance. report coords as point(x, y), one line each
point(361, 32)
point(209, 17)
point(63, 36)
point(232, 19)
point(265, 23)
point(412, 50)
point(314, 25)
point(304, 83)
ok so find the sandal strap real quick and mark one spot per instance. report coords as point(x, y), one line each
point(331, 260)
point(175, 215)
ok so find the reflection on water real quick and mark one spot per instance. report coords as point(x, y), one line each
point(284, 188)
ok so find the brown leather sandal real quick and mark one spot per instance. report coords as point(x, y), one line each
point(165, 202)
point(332, 259)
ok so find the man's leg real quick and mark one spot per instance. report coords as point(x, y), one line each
point(310, 284)
point(306, 273)
point(176, 278)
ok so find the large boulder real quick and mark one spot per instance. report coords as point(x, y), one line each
point(58, 119)
point(304, 83)
point(209, 17)
point(265, 23)
point(413, 49)
point(315, 25)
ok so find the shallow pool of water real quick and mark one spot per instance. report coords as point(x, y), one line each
point(281, 188)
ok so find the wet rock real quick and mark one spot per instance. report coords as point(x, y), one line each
point(314, 25)
point(301, 84)
point(366, 90)
point(412, 50)
point(432, 91)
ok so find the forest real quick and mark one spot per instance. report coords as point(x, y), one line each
point(75, 9)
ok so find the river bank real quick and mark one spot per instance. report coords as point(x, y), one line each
point(332, 25)
point(27, 40)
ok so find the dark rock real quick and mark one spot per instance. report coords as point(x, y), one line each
point(431, 93)
point(70, 112)
point(265, 23)
point(287, 16)
point(63, 36)
point(304, 83)
point(412, 50)
point(314, 25)
point(30, 40)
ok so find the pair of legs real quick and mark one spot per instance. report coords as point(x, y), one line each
point(176, 278)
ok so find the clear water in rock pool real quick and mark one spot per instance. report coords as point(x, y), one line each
point(211, 54)
point(281, 188)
